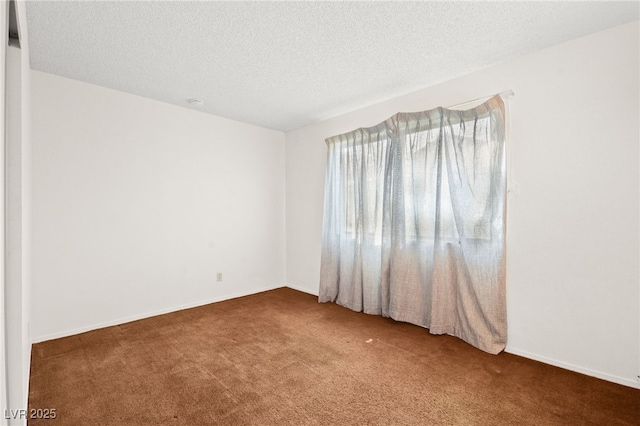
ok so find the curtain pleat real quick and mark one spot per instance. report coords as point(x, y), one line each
point(414, 223)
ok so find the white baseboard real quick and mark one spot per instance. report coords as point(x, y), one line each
point(27, 377)
point(608, 377)
point(84, 329)
point(302, 289)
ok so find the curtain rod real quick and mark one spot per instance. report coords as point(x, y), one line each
point(506, 94)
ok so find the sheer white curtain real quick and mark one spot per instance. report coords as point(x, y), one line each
point(414, 222)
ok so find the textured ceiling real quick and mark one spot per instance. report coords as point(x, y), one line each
point(283, 65)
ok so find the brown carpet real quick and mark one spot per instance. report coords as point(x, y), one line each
point(281, 358)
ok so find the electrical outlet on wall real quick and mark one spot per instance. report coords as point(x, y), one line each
point(219, 277)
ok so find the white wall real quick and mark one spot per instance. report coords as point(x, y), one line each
point(3, 346)
point(573, 232)
point(14, 246)
point(27, 196)
point(17, 224)
point(138, 204)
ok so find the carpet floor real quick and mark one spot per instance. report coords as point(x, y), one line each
point(281, 358)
